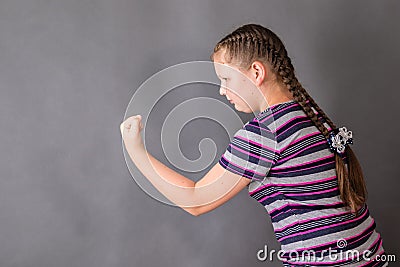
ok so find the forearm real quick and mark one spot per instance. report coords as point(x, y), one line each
point(174, 186)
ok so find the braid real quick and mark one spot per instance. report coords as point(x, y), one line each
point(319, 110)
point(254, 42)
point(286, 72)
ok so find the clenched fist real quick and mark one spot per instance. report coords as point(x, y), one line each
point(130, 131)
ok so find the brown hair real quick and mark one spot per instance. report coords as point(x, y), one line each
point(252, 42)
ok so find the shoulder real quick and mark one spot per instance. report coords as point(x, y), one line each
point(257, 127)
point(257, 137)
point(277, 115)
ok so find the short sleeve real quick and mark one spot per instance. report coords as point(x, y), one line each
point(252, 151)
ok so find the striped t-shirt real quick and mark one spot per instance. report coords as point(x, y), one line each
point(293, 175)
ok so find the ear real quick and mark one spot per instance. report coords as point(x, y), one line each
point(258, 72)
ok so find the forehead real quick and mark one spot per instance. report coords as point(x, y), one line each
point(221, 67)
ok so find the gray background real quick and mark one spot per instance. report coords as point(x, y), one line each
point(67, 72)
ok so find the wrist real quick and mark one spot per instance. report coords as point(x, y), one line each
point(135, 150)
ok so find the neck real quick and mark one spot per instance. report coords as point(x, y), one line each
point(273, 95)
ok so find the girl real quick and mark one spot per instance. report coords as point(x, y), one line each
point(290, 156)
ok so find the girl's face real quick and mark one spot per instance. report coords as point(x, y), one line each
point(237, 86)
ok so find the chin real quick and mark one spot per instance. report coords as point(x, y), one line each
point(244, 110)
point(247, 110)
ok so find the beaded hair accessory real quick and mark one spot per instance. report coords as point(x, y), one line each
point(339, 139)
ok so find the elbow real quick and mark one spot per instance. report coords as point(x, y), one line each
point(196, 214)
point(194, 211)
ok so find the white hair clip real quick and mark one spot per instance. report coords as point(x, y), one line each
point(339, 139)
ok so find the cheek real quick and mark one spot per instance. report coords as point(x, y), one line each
point(236, 87)
point(244, 93)
point(240, 90)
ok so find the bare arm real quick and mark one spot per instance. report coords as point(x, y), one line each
point(214, 189)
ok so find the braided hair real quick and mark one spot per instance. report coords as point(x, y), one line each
point(252, 42)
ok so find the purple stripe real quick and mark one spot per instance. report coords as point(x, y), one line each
point(323, 227)
point(298, 184)
point(330, 243)
point(300, 122)
point(235, 171)
point(240, 167)
point(289, 157)
point(294, 205)
point(263, 129)
point(264, 198)
point(294, 104)
point(308, 162)
point(287, 122)
point(309, 220)
point(250, 141)
point(313, 193)
point(249, 153)
point(326, 163)
point(300, 139)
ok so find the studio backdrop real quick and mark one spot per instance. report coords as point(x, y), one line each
point(68, 70)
